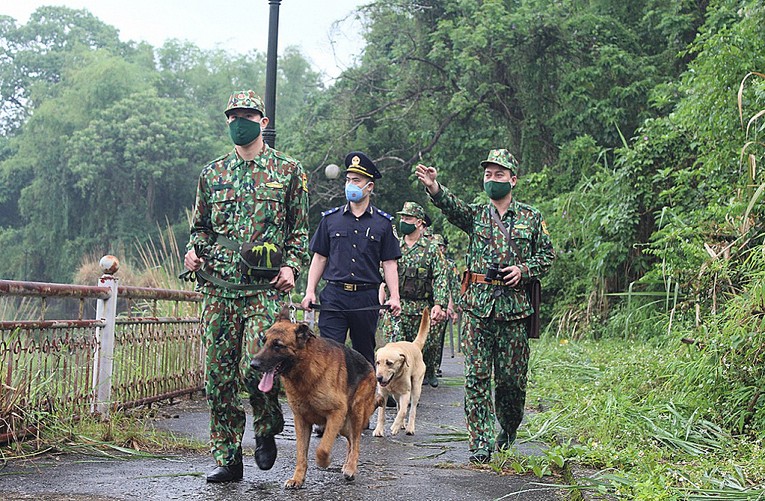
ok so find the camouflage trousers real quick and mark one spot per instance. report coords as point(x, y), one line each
point(405, 327)
point(438, 332)
point(233, 331)
point(502, 347)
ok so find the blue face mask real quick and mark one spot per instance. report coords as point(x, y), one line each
point(353, 193)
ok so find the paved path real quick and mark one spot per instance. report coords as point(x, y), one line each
point(431, 465)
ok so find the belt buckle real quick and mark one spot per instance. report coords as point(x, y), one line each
point(349, 287)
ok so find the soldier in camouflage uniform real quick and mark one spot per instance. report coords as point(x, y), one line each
point(495, 300)
point(420, 284)
point(252, 201)
point(452, 287)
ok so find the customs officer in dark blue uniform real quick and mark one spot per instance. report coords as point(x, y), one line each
point(349, 247)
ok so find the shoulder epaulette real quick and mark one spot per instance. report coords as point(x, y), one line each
point(331, 211)
point(527, 207)
point(221, 157)
point(384, 214)
point(211, 164)
point(283, 156)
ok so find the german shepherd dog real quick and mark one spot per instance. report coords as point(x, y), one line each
point(327, 384)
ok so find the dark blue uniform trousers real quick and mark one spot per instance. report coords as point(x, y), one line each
point(362, 324)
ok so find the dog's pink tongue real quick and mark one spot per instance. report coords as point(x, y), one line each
point(267, 382)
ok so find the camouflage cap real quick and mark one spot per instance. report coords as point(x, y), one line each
point(438, 239)
point(245, 99)
point(503, 158)
point(415, 210)
point(412, 209)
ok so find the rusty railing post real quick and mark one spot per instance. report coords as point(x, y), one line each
point(104, 356)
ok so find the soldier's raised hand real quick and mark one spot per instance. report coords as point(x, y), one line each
point(427, 176)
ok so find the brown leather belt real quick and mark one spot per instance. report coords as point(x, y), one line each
point(480, 278)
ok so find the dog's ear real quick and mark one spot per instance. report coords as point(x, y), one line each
point(406, 362)
point(284, 314)
point(303, 333)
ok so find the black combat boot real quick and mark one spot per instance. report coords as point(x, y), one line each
point(505, 440)
point(265, 452)
point(480, 456)
point(227, 473)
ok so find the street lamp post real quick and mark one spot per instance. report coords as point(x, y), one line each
point(269, 135)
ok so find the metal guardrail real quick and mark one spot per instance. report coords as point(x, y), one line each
point(151, 352)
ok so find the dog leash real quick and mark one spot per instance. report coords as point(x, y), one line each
point(319, 307)
point(292, 308)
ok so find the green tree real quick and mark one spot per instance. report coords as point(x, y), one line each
point(443, 82)
point(145, 168)
point(50, 207)
point(36, 54)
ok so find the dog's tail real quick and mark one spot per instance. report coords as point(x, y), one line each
point(422, 334)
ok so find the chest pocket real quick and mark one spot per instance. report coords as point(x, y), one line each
point(338, 239)
point(372, 243)
point(482, 249)
point(223, 208)
point(523, 239)
point(266, 206)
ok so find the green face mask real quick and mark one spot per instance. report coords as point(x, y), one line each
point(497, 190)
point(243, 131)
point(406, 228)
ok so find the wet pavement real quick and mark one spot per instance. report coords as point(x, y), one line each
point(430, 465)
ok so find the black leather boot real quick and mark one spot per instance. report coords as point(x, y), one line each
point(265, 452)
point(228, 473)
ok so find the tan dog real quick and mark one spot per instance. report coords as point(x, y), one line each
point(326, 384)
point(400, 371)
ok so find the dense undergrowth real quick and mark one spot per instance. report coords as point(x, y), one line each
point(674, 415)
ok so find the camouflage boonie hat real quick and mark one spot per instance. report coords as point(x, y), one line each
point(245, 99)
point(438, 239)
point(412, 209)
point(503, 158)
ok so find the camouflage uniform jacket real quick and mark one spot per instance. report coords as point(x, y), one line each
point(427, 259)
point(489, 245)
point(452, 285)
point(266, 199)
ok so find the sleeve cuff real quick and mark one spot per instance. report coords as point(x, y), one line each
point(438, 196)
point(525, 272)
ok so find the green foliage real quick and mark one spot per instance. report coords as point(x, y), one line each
point(110, 145)
point(34, 56)
point(623, 408)
point(146, 145)
point(726, 375)
point(142, 142)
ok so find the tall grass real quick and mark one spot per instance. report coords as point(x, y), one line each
point(619, 406)
point(161, 262)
